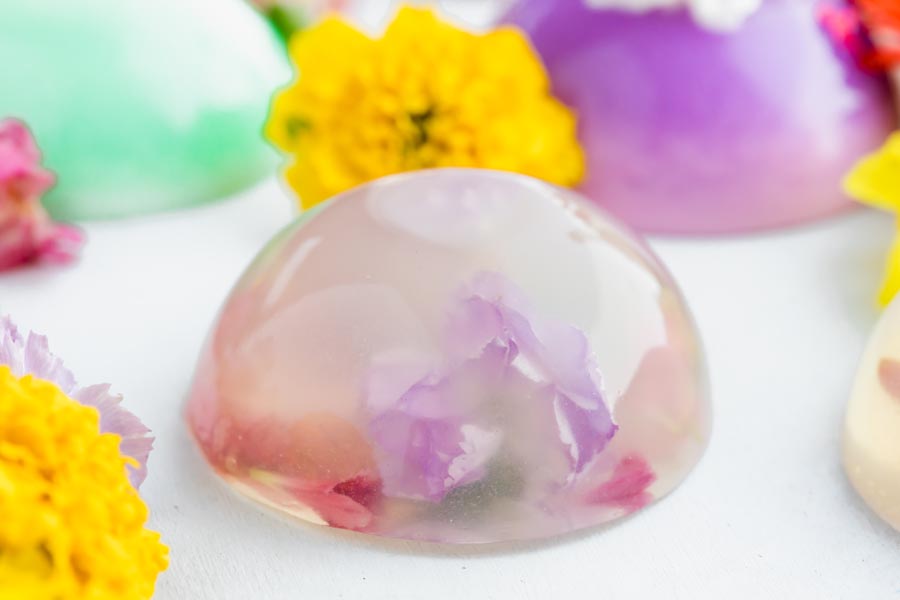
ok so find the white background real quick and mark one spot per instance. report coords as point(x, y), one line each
point(766, 514)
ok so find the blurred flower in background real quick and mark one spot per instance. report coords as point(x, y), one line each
point(876, 178)
point(868, 29)
point(359, 109)
point(883, 18)
point(72, 523)
point(26, 232)
point(876, 181)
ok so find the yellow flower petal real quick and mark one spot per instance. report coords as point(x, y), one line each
point(426, 94)
point(72, 525)
point(876, 179)
point(313, 49)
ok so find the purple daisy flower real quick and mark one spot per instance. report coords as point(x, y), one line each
point(31, 356)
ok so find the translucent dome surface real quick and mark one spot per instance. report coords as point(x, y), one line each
point(872, 432)
point(688, 130)
point(454, 356)
point(141, 107)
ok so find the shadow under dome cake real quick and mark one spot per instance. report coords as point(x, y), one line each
point(456, 356)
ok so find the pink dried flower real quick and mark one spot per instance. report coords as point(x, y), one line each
point(26, 232)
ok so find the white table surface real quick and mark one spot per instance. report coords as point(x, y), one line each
point(766, 514)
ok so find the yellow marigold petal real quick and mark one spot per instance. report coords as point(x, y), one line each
point(309, 187)
point(313, 54)
point(413, 26)
point(285, 123)
point(876, 179)
point(537, 145)
point(313, 49)
point(508, 46)
point(72, 526)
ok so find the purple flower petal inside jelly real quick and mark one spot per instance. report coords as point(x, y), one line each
point(496, 345)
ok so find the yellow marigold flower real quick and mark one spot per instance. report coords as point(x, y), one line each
point(426, 94)
point(71, 523)
point(876, 181)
